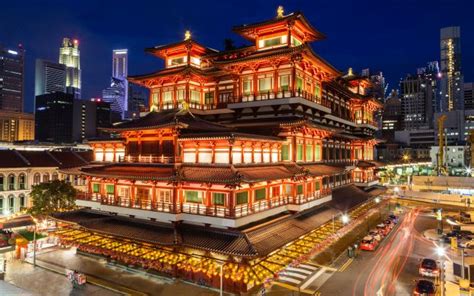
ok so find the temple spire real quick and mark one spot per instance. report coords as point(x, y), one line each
point(280, 11)
point(187, 35)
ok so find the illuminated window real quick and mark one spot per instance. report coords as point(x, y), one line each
point(195, 96)
point(295, 42)
point(218, 198)
point(209, 98)
point(273, 42)
point(317, 89)
point(264, 84)
point(299, 189)
point(95, 188)
point(177, 61)
point(242, 197)
point(180, 94)
point(247, 86)
point(167, 97)
point(193, 196)
point(299, 83)
point(260, 194)
point(109, 188)
point(299, 152)
point(284, 82)
point(309, 152)
point(285, 152)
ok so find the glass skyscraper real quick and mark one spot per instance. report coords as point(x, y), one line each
point(452, 81)
point(70, 55)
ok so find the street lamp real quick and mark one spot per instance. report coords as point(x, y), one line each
point(345, 219)
point(377, 199)
point(469, 171)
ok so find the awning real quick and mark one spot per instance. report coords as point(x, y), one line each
point(15, 222)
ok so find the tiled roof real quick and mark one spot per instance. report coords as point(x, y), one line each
point(262, 172)
point(228, 135)
point(365, 164)
point(171, 118)
point(203, 173)
point(319, 170)
point(27, 158)
point(132, 171)
point(347, 197)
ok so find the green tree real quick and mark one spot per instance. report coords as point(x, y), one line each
point(51, 197)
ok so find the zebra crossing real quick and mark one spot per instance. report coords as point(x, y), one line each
point(296, 275)
point(305, 277)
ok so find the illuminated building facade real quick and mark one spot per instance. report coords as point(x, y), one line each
point(70, 56)
point(16, 126)
point(12, 78)
point(49, 77)
point(452, 81)
point(234, 137)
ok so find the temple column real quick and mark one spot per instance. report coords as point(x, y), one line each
point(114, 159)
point(231, 204)
point(255, 84)
point(115, 192)
point(174, 199)
point(253, 152)
point(197, 152)
point(213, 153)
point(231, 146)
point(132, 195)
point(153, 195)
point(267, 195)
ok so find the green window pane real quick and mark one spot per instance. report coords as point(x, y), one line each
point(299, 189)
point(260, 194)
point(316, 186)
point(242, 197)
point(218, 198)
point(285, 152)
point(299, 152)
point(309, 152)
point(109, 189)
point(318, 152)
point(192, 196)
point(95, 188)
point(272, 42)
point(299, 83)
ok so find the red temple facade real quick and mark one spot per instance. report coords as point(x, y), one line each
point(237, 136)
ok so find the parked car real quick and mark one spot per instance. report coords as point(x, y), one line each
point(425, 288)
point(375, 234)
point(429, 267)
point(368, 243)
point(383, 229)
point(466, 244)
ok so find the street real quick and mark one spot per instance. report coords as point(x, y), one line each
point(393, 267)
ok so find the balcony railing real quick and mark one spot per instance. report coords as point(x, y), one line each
point(201, 209)
point(269, 95)
point(146, 159)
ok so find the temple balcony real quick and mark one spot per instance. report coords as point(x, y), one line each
point(367, 123)
point(147, 159)
point(216, 215)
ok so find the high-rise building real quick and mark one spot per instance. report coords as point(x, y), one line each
point(70, 56)
point(16, 126)
point(61, 118)
point(452, 92)
point(420, 97)
point(12, 78)
point(391, 116)
point(117, 93)
point(469, 96)
point(50, 77)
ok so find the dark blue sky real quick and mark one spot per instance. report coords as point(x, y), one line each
point(394, 36)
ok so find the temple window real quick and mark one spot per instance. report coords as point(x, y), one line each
point(110, 189)
point(221, 155)
point(317, 89)
point(209, 98)
point(242, 197)
point(218, 198)
point(309, 152)
point(95, 188)
point(275, 191)
point(236, 155)
point(189, 155)
point(164, 196)
point(205, 155)
point(193, 196)
point(299, 189)
point(295, 42)
point(257, 155)
point(174, 62)
point(285, 152)
point(180, 94)
point(11, 182)
point(273, 42)
point(265, 83)
point(317, 148)
point(284, 82)
point(260, 194)
point(196, 61)
point(195, 97)
point(288, 189)
point(155, 97)
point(168, 97)
point(247, 86)
point(316, 186)
point(299, 83)
point(299, 152)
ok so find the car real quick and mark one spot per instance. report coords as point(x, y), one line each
point(368, 243)
point(468, 244)
point(425, 288)
point(375, 234)
point(383, 229)
point(394, 218)
point(429, 268)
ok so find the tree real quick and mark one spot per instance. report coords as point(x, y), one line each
point(51, 197)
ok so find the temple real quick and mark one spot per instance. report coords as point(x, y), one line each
point(234, 139)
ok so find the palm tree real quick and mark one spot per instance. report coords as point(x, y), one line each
point(52, 197)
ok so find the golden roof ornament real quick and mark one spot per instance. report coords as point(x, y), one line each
point(280, 12)
point(187, 35)
point(350, 72)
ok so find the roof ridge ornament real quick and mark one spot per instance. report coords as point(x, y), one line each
point(280, 12)
point(187, 35)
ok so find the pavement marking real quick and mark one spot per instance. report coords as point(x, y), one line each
point(308, 266)
point(345, 265)
point(288, 279)
point(293, 288)
point(298, 270)
point(313, 278)
point(297, 275)
point(324, 266)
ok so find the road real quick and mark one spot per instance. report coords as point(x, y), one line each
point(391, 269)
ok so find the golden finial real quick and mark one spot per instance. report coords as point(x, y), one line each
point(280, 11)
point(187, 35)
point(350, 72)
point(185, 105)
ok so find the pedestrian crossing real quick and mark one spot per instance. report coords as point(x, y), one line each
point(296, 275)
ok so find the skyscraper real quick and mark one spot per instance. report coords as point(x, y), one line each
point(117, 93)
point(69, 55)
point(49, 77)
point(452, 92)
point(11, 79)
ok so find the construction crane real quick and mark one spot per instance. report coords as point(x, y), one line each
point(442, 169)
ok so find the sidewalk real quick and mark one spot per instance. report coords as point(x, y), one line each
point(8, 289)
point(120, 279)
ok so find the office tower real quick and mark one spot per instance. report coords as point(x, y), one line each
point(391, 116)
point(50, 77)
point(69, 55)
point(12, 78)
point(117, 93)
point(469, 96)
point(16, 126)
point(379, 86)
point(452, 79)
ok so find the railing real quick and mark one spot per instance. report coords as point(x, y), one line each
point(366, 121)
point(200, 209)
point(146, 159)
point(269, 95)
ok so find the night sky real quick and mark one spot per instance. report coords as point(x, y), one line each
point(394, 36)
